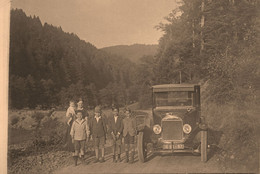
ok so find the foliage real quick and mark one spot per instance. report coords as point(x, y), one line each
point(179, 47)
point(48, 67)
point(238, 142)
point(144, 79)
point(145, 100)
point(233, 78)
point(14, 120)
point(133, 52)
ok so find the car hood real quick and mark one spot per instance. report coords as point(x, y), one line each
point(179, 111)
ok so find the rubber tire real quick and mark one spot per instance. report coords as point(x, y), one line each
point(140, 147)
point(204, 145)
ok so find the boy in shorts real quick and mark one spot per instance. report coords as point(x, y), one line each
point(116, 129)
point(98, 131)
point(129, 133)
point(79, 135)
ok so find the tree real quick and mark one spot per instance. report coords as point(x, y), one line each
point(17, 92)
point(54, 63)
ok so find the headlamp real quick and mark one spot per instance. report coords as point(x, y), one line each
point(157, 129)
point(186, 128)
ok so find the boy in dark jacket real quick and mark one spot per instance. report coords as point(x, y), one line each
point(116, 129)
point(129, 133)
point(98, 131)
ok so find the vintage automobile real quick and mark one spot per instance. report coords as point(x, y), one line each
point(176, 124)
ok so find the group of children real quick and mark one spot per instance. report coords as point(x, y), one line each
point(83, 127)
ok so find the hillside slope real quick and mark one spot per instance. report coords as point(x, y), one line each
point(49, 66)
point(132, 52)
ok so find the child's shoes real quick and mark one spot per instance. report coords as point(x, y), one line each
point(102, 160)
point(75, 160)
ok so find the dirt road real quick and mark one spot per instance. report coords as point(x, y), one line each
point(177, 163)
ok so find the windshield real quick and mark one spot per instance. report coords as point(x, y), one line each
point(173, 98)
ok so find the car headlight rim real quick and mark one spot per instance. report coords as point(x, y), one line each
point(189, 109)
point(187, 128)
point(157, 129)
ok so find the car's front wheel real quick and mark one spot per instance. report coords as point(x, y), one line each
point(141, 147)
point(204, 145)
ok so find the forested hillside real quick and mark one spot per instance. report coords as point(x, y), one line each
point(48, 67)
point(133, 52)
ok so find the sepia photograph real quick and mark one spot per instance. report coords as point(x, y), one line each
point(130, 86)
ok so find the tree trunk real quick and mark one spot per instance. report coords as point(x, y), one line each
point(202, 25)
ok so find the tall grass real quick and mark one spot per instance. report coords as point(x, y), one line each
point(46, 133)
point(238, 143)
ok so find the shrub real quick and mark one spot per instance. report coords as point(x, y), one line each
point(48, 131)
point(15, 120)
point(238, 142)
point(240, 130)
point(145, 101)
point(38, 116)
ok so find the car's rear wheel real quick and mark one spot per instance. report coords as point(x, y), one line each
point(141, 147)
point(204, 145)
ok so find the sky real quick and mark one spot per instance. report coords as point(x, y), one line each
point(103, 23)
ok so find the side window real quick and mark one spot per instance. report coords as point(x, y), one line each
point(190, 99)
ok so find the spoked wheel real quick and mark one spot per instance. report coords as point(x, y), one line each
point(204, 145)
point(141, 147)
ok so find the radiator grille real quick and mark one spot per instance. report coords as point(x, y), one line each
point(172, 130)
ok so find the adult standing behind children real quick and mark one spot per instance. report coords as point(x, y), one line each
point(98, 130)
point(70, 117)
point(82, 109)
point(79, 134)
point(129, 133)
point(116, 130)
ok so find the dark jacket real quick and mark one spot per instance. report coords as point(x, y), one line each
point(129, 126)
point(98, 129)
point(117, 126)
